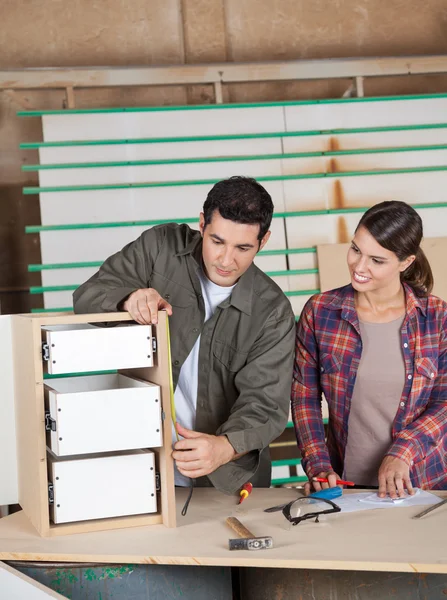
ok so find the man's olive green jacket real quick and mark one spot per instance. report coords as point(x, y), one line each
point(246, 348)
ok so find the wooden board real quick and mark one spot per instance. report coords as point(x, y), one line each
point(17, 586)
point(30, 421)
point(8, 455)
point(375, 540)
point(159, 374)
point(334, 273)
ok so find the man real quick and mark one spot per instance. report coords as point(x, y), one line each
point(232, 331)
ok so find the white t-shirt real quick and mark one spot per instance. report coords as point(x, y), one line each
point(185, 395)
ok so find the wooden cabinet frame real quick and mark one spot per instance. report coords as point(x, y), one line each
point(30, 423)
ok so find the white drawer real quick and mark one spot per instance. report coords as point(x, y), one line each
point(102, 413)
point(86, 348)
point(96, 488)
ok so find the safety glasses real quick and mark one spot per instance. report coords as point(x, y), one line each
point(308, 508)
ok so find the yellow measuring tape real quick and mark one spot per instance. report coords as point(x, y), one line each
point(171, 381)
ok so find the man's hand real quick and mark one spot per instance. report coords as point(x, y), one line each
point(315, 486)
point(143, 306)
point(394, 478)
point(200, 454)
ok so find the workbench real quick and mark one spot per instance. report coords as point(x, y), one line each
point(385, 541)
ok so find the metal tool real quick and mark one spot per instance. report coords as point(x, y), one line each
point(247, 541)
point(428, 510)
point(328, 494)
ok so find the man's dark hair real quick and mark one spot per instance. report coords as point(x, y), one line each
point(242, 200)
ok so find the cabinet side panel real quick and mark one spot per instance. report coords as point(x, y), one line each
point(160, 374)
point(8, 448)
point(30, 422)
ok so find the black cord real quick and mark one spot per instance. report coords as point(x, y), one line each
point(188, 499)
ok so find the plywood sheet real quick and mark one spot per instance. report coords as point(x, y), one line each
point(17, 586)
point(67, 276)
point(334, 272)
point(298, 303)
point(348, 115)
point(306, 194)
point(201, 538)
point(170, 172)
point(366, 190)
point(159, 150)
point(388, 160)
point(164, 123)
point(387, 139)
point(136, 204)
point(8, 453)
point(306, 231)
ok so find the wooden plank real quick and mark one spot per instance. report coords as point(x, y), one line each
point(160, 374)
point(8, 454)
point(220, 72)
point(333, 270)
point(104, 525)
point(17, 586)
point(374, 540)
point(30, 421)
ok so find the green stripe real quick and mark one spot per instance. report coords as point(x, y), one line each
point(240, 158)
point(311, 250)
point(164, 140)
point(302, 213)
point(70, 309)
point(384, 128)
point(52, 310)
point(286, 462)
point(290, 423)
point(83, 265)
point(49, 267)
point(299, 479)
point(291, 272)
point(302, 293)
point(62, 375)
point(156, 184)
point(170, 161)
point(69, 288)
point(385, 150)
point(195, 107)
point(52, 288)
point(388, 171)
point(234, 136)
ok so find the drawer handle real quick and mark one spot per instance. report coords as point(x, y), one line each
point(45, 351)
point(50, 423)
point(50, 493)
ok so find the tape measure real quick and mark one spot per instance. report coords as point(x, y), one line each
point(171, 380)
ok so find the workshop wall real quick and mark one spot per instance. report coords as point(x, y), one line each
point(56, 33)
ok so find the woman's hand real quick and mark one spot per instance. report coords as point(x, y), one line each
point(315, 486)
point(394, 478)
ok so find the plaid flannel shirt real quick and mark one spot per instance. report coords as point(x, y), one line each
point(328, 351)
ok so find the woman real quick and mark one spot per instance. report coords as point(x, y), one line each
point(377, 349)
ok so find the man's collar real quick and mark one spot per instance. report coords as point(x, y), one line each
point(192, 247)
point(242, 295)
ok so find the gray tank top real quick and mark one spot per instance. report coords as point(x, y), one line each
point(375, 400)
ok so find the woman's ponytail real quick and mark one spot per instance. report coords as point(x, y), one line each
point(419, 274)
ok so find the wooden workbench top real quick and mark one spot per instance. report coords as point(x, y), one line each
point(374, 540)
